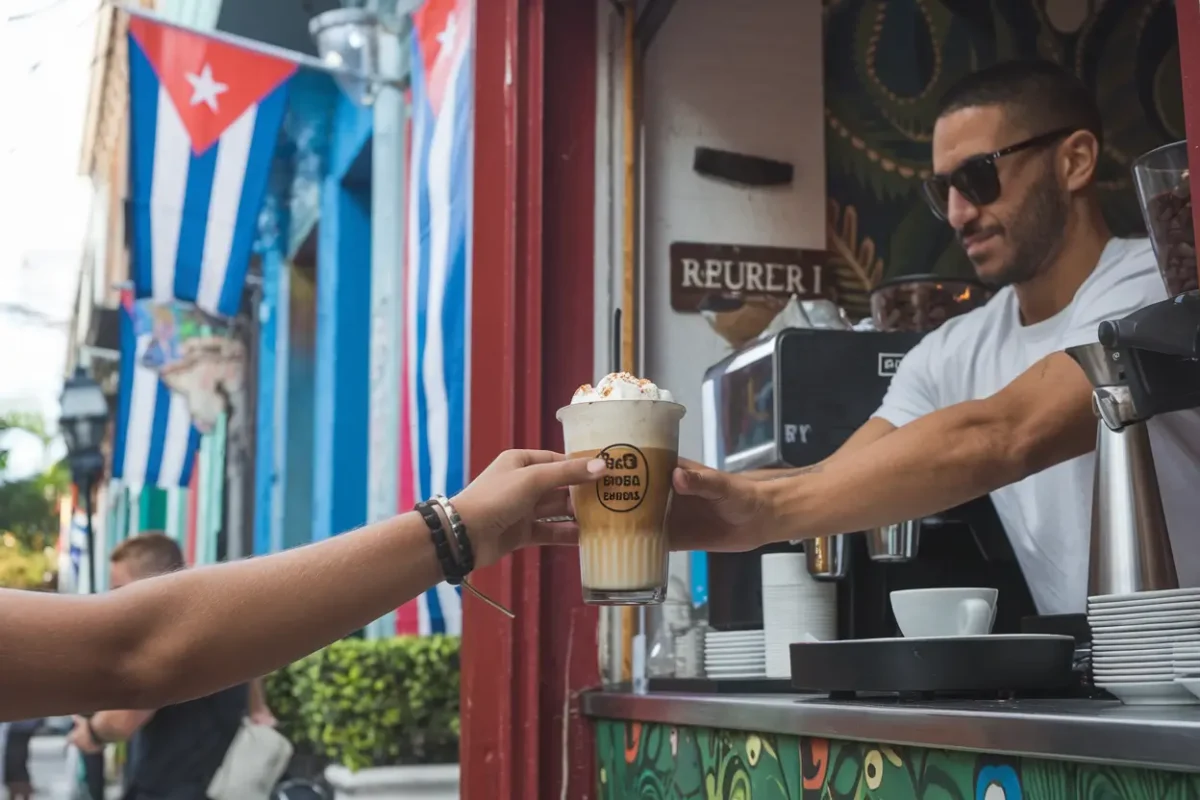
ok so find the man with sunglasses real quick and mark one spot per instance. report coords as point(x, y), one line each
point(989, 402)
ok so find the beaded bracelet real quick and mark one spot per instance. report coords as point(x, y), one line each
point(466, 554)
point(450, 568)
point(465, 563)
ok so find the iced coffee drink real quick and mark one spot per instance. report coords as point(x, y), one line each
point(634, 426)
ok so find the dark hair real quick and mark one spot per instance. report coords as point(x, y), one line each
point(1040, 95)
point(149, 554)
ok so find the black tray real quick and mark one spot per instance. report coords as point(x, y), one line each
point(996, 663)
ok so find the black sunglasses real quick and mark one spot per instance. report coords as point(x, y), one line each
point(976, 178)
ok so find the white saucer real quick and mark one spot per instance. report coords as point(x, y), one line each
point(734, 676)
point(1191, 684)
point(1144, 597)
point(1133, 676)
point(991, 637)
point(1148, 627)
point(1134, 645)
point(1147, 607)
point(1147, 620)
point(1151, 693)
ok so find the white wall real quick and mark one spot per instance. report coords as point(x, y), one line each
point(749, 81)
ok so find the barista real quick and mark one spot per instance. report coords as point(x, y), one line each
point(989, 402)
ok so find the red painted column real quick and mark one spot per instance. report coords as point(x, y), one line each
point(1188, 15)
point(532, 310)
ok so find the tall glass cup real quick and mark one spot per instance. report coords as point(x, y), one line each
point(622, 517)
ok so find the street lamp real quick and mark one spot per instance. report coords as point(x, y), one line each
point(83, 419)
point(363, 37)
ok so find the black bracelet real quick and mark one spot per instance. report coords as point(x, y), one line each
point(466, 554)
point(96, 738)
point(450, 568)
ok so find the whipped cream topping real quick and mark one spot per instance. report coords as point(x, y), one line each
point(620, 386)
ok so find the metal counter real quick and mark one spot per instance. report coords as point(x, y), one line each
point(1159, 737)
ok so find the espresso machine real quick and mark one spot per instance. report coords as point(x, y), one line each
point(792, 400)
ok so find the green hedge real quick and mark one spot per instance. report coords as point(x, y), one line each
point(372, 703)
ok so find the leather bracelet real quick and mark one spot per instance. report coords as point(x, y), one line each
point(450, 568)
point(97, 738)
point(466, 554)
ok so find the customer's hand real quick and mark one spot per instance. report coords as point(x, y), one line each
point(502, 506)
point(81, 737)
point(717, 511)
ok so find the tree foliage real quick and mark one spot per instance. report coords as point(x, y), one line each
point(29, 506)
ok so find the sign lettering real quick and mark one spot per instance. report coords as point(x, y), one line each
point(699, 271)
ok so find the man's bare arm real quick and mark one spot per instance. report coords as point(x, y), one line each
point(868, 433)
point(119, 726)
point(945, 458)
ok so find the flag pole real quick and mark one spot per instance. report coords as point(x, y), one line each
point(255, 46)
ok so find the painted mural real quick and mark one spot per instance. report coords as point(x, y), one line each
point(886, 65)
point(661, 762)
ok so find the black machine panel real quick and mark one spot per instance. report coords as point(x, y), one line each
point(827, 384)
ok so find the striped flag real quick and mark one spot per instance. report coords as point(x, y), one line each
point(156, 442)
point(204, 117)
point(437, 297)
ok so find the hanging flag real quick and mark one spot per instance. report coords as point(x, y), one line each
point(156, 441)
point(204, 118)
point(436, 331)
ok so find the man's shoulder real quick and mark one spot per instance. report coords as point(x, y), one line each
point(1128, 259)
point(1125, 279)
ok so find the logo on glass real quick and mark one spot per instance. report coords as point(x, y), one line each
point(624, 485)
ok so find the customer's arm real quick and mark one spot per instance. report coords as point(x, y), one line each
point(179, 636)
point(166, 639)
point(945, 458)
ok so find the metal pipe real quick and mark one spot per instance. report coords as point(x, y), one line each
point(255, 46)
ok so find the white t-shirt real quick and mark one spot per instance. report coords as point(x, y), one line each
point(1048, 515)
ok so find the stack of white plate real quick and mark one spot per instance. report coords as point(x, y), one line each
point(1186, 663)
point(735, 655)
point(1134, 637)
point(796, 608)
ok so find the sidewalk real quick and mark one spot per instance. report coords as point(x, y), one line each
point(48, 769)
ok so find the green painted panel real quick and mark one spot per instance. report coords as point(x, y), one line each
point(643, 760)
point(152, 514)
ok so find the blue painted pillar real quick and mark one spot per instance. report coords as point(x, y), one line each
point(341, 409)
point(265, 467)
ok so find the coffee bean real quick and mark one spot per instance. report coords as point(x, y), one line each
point(1174, 237)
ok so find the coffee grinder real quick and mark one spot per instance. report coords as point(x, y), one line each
point(1144, 365)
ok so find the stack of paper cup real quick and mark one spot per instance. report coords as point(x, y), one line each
point(796, 608)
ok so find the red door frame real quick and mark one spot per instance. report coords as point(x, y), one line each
point(531, 344)
point(1188, 16)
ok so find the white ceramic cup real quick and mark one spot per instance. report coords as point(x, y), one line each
point(945, 612)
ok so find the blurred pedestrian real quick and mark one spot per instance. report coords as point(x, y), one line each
point(16, 759)
point(175, 750)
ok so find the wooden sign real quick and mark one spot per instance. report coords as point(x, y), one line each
point(702, 274)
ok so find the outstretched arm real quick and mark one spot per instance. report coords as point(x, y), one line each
point(935, 462)
point(947, 457)
point(167, 639)
point(179, 636)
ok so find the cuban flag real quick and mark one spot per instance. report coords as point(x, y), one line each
point(204, 117)
point(437, 297)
